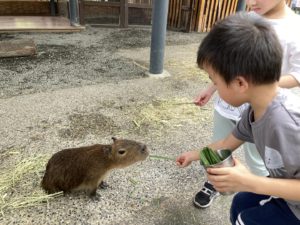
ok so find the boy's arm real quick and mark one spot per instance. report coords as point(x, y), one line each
point(230, 142)
point(284, 188)
point(239, 178)
point(282, 158)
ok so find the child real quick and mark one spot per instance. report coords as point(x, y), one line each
point(243, 56)
point(285, 22)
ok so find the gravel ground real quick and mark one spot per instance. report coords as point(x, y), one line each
point(83, 88)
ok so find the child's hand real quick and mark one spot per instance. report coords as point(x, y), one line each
point(186, 158)
point(229, 179)
point(205, 96)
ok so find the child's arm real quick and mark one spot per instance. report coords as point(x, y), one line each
point(291, 78)
point(230, 142)
point(285, 188)
point(205, 95)
point(288, 81)
point(239, 178)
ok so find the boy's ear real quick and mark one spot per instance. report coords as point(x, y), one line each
point(241, 83)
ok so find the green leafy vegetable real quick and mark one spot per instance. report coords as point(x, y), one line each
point(209, 157)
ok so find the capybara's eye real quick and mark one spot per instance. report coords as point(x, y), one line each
point(121, 152)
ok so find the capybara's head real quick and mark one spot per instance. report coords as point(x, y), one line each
point(126, 152)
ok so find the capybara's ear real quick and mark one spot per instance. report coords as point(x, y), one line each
point(114, 139)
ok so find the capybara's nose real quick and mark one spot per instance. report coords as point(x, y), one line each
point(144, 149)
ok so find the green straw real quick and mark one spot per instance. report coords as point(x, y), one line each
point(161, 157)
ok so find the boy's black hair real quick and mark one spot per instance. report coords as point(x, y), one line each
point(242, 45)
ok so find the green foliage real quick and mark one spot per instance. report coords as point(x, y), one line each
point(209, 157)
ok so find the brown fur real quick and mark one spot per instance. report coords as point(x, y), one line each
point(85, 168)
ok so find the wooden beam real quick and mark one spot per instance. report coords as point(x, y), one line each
point(107, 4)
point(139, 6)
point(17, 48)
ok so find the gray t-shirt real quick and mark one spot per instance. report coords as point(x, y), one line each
point(277, 137)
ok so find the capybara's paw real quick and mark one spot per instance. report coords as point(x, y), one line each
point(103, 185)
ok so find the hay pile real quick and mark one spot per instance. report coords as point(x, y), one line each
point(191, 70)
point(171, 113)
point(24, 176)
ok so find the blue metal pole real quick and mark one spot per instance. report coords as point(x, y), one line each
point(241, 6)
point(74, 13)
point(158, 35)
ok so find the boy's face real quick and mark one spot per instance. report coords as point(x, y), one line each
point(265, 7)
point(232, 93)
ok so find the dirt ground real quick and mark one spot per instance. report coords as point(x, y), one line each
point(83, 88)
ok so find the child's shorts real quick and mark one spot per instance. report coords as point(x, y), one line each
point(249, 209)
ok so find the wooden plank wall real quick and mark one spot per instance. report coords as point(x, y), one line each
point(114, 12)
point(202, 14)
point(179, 14)
point(24, 8)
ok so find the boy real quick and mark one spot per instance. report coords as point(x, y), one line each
point(243, 57)
point(285, 23)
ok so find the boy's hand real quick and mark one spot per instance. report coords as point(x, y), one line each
point(186, 158)
point(227, 179)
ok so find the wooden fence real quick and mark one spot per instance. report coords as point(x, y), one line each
point(118, 12)
point(198, 15)
point(185, 15)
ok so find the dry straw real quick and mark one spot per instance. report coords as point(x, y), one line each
point(10, 178)
point(169, 113)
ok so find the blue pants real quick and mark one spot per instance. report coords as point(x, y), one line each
point(253, 209)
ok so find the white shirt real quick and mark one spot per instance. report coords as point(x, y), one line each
point(288, 33)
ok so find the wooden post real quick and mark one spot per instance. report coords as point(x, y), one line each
point(124, 14)
point(210, 16)
point(195, 14)
point(201, 16)
point(81, 12)
point(190, 18)
point(179, 16)
point(215, 12)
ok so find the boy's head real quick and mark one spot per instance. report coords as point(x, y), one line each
point(266, 7)
point(241, 48)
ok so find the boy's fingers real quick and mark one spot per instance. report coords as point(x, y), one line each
point(218, 171)
point(236, 161)
point(180, 162)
